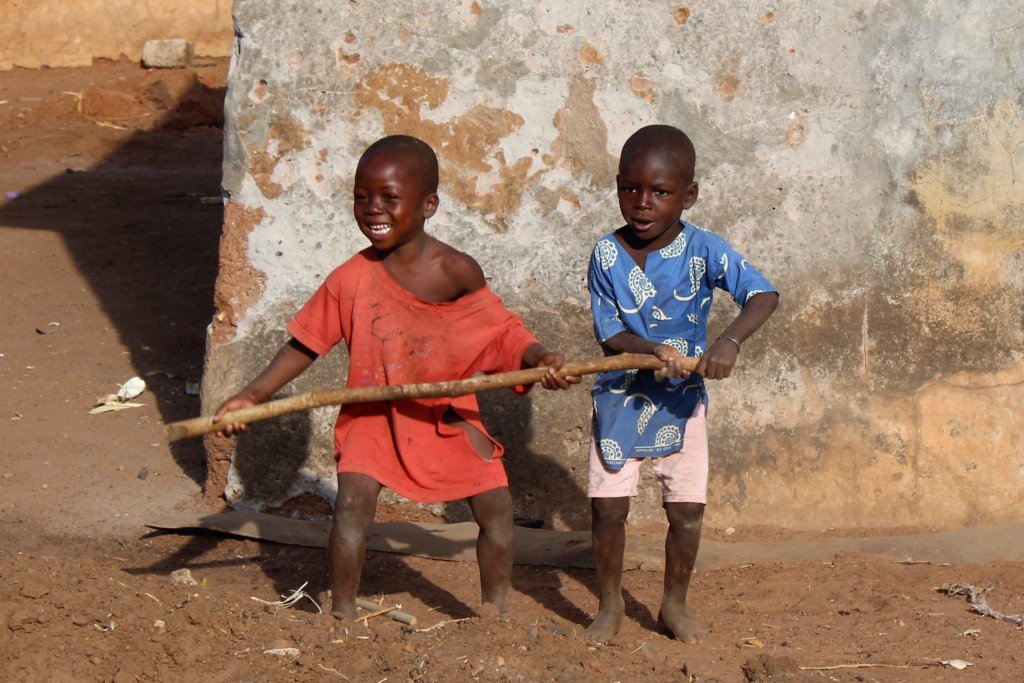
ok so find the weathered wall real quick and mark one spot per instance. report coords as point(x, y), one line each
point(54, 33)
point(864, 156)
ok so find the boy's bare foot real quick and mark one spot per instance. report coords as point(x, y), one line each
point(607, 623)
point(344, 612)
point(492, 612)
point(677, 621)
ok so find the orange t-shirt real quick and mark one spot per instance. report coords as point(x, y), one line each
point(395, 338)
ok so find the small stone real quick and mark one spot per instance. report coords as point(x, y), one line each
point(183, 577)
point(282, 648)
point(175, 53)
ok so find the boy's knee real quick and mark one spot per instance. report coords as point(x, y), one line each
point(499, 533)
point(685, 515)
point(493, 513)
point(355, 498)
point(352, 502)
point(609, 510)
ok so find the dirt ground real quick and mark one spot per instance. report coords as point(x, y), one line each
point(108, 236)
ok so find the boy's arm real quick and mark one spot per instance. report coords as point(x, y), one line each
point(538, 356)
point(290, 361)
point(627, 342)
point(720, 358)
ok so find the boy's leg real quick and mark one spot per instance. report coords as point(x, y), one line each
point(492, 511)
point(684, 481)
point(681, 545)
point(609, 492)
point(354, 509)
point(608, 532)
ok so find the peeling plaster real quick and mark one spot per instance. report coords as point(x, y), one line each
point(979, 210)
point(238, 285)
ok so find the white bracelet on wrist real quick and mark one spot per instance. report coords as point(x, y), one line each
point(734, 341)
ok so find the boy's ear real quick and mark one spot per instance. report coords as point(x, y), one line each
point(430, 205)
point(691, 195)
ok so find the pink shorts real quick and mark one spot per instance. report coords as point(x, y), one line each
point(683, 475)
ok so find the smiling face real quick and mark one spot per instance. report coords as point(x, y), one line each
point(391, 198)
point(654, 189)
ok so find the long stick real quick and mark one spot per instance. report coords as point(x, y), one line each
point(176, 431)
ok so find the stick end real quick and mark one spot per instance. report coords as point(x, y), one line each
point(175, 433)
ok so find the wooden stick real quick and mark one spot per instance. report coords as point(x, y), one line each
point(391, 612)
point(871, 665)
point(176, 431)
point(371, 615)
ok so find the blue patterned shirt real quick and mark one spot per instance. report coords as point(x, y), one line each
point(667, 302)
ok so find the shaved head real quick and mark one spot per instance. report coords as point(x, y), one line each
point(669, 141)
point(414, 151)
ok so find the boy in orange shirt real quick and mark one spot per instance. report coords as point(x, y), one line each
point(411, 309)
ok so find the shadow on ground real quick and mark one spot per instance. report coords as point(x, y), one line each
point(143, 225)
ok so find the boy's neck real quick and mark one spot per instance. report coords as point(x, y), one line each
point(407, 254)
point(424, 268)
point(639, 248)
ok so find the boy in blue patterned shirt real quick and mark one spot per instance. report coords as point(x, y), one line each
point(651, 285)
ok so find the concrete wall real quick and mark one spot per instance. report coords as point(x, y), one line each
point(55, 33)
point(864, 156)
